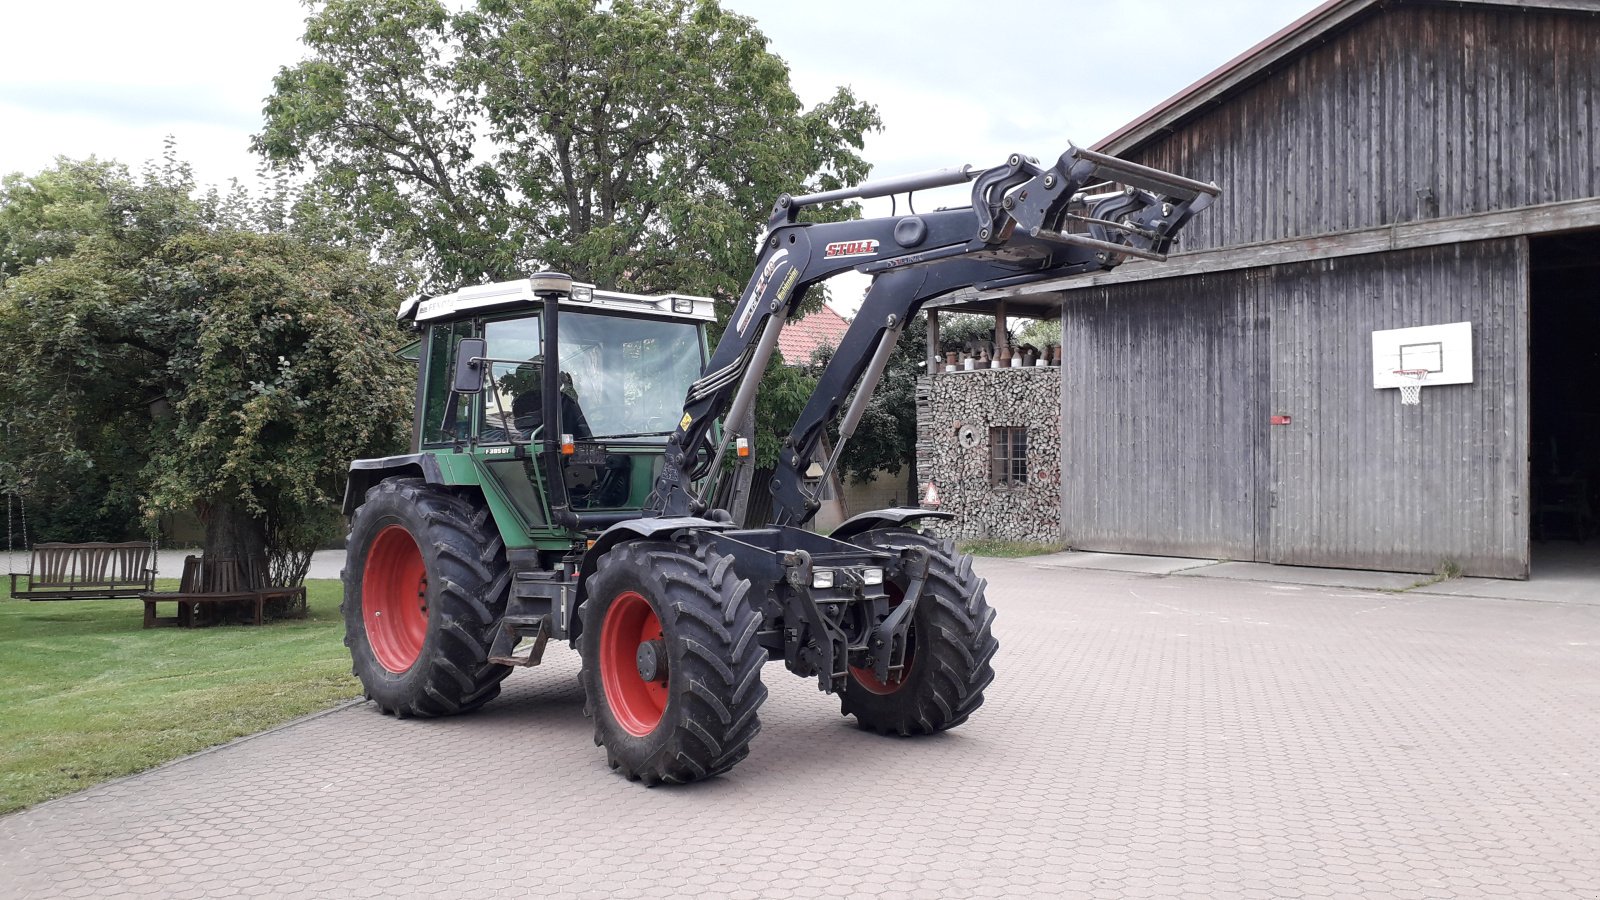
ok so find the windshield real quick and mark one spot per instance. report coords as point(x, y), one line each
point(629, 376)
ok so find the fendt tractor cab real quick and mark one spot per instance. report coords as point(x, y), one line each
point(568, 446)
point(609, 399)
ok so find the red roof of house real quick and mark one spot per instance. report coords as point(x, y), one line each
point(799, 338)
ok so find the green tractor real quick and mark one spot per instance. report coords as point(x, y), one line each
point(567, 445)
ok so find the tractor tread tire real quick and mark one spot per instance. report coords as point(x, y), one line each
point(714, 661)
point(468, 577)
point(954, 652)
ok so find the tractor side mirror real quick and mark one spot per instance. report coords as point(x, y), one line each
point(470, 366)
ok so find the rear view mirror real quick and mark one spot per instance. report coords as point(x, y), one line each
point(470, 366)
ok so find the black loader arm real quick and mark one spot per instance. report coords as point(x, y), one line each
point(1027, 222)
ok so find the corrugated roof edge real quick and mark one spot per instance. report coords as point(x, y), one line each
point(1259, 60)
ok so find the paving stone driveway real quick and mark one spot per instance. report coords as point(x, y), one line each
point(1145, 736)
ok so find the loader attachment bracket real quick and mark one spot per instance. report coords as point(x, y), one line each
point(889, 638)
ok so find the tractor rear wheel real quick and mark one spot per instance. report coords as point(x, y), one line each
point(671, 665)
point(425, 582)
point(949, 647)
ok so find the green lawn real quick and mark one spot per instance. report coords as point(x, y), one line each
point(87, 694)
point(1008, 549)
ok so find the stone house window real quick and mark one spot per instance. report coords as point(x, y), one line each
point(1008, 456)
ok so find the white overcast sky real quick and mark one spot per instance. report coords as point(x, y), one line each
point(955, 82)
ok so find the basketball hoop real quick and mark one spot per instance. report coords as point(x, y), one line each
point(1411, 394)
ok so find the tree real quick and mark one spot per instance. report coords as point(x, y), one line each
point(198, 363)
point(886, 437)
point(637, 144)
point(634, 144)
point(1041, 332)
point(45, 216)
point(969, 332)
point(77, 473)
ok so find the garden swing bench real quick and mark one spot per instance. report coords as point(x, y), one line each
point(96, 570)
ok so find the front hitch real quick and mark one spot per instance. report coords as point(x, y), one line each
point(823, 646)
point(889, 637)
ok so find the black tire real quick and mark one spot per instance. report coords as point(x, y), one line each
point(951, 647)
point(706, 712)
point(461, 595)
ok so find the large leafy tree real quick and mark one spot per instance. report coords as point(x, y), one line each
point(165, 343)
point(637, 144)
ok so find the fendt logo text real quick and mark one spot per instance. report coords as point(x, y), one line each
point(850, 248)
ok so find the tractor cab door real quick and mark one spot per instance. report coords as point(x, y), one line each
point(443, 417)
point(507, 423)
point(467, 424)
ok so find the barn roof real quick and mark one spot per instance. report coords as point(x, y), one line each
point(799, 338)
point(1255, 63)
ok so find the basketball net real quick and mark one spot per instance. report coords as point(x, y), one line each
point(1411, 392)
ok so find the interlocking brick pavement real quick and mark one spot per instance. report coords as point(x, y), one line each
point(1145, 737)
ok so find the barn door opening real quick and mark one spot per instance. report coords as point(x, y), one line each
point(1362, 480)
point(1564, 423)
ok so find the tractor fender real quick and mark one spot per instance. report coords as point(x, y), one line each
point(885, 518)
point(632, 530)
point(364, 473)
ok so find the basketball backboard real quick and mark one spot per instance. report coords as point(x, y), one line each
point(1401, 356)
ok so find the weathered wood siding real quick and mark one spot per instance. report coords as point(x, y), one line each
point(1359, 480)
point(1163, 391)
point(1477, 109)
point(1168, 389)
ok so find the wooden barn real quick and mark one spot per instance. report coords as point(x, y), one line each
point(1411, 194)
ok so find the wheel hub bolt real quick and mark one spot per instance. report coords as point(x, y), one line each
point(652, 660)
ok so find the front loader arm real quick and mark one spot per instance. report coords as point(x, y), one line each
point(1026, 223)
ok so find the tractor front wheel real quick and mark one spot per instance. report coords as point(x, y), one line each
point(948, 650)
point(671, 665)
point(424, 584)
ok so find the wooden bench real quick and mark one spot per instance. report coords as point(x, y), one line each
point(207, 583)
point(59, 571)
point(256, 576)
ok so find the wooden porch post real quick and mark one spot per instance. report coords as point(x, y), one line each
point(1002, 339)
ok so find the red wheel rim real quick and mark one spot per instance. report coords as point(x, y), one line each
point(394, 599)
point(637, 704)
point(867, 678)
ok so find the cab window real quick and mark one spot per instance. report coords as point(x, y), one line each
point(436, 394)
point(510, 408)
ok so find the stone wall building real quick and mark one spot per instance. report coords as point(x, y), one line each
point(989, 443)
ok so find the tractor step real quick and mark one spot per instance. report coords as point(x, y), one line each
point(542, 593)
point(511, 632)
